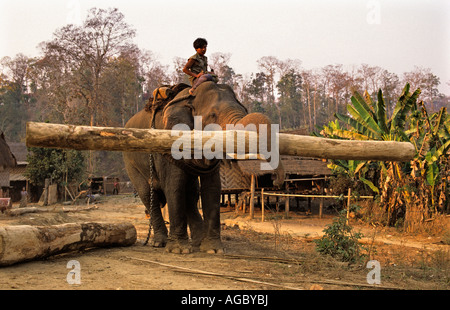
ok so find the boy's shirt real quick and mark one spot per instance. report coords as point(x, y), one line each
point(200, 64)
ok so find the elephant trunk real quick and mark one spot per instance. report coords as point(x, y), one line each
point(267, 144)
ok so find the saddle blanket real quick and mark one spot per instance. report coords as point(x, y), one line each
point(5, 202)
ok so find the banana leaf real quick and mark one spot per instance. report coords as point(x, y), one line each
point(360, 128)
point(433, 155)
point(406, 103)
point(370, 184)
point(439, 123)
point(381, 113)
point(359, 166)
point(432, 173)
point(373, 107)
point(361, 101)
point(344, 134)
point(364, 117)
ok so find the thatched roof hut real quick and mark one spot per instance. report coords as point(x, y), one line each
point(7, 158)
point(236, 175)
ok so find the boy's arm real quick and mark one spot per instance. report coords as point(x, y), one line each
point(187, 68)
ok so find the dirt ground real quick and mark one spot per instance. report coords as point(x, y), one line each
point(278, 254)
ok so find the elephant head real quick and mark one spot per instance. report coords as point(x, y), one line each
point(217, 104)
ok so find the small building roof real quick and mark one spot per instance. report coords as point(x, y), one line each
point(300, 166)
point(20, 151)
point(7, 158)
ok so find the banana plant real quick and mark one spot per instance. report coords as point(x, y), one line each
point(367, 120)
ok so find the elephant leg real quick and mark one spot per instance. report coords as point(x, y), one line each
point(157, 220)
point(141, 183)
point(195, 220)
point(176, 193)
point(210, 193)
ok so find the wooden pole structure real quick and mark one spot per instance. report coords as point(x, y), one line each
point(161, 141)
point(321, 200)
point(348, 202)
point(314, 196)
point(286, 207)
point(252, 197)
point(262, 204)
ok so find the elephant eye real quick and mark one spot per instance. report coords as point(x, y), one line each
point(212, 117)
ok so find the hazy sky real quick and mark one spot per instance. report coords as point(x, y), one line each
point(393, 34)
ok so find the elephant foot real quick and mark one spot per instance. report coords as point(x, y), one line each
point(159, 241)
point(178, 246)
point(212, 246)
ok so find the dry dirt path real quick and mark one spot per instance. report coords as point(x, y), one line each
point(258, 257)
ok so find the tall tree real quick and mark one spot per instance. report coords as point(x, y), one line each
point(337, 83)
point(290, 99)
point(14, 96)
point(270, 65)
point(424, 79)
point(87, 48)
point(178, 76)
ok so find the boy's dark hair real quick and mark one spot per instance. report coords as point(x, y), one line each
point(200, 42)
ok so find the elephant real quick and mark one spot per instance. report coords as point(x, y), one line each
point(160, 179)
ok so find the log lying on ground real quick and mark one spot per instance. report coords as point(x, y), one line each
point(24, 242)
point(161, 141)
point(21, 211)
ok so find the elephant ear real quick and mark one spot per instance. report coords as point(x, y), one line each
point(228, 88)
point(179, 113)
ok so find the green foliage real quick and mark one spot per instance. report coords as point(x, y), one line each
point(417, 188)
point(46, 163)
point(341, 242)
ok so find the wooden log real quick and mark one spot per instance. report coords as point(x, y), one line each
point(161, 141)
point(24, 243)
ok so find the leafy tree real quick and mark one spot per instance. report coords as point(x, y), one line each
point(15, 96)
point(56, 164)
point(87, 49)
point(290, 98)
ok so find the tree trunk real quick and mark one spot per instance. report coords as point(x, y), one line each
point(24, 242)
point(161, 141)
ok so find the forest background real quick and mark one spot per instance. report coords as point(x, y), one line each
point(94, 74)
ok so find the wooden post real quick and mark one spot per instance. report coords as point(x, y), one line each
point(252, 196)
point(286, 207)
point(348, 202)
point(262, 204)
point(321, 199)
